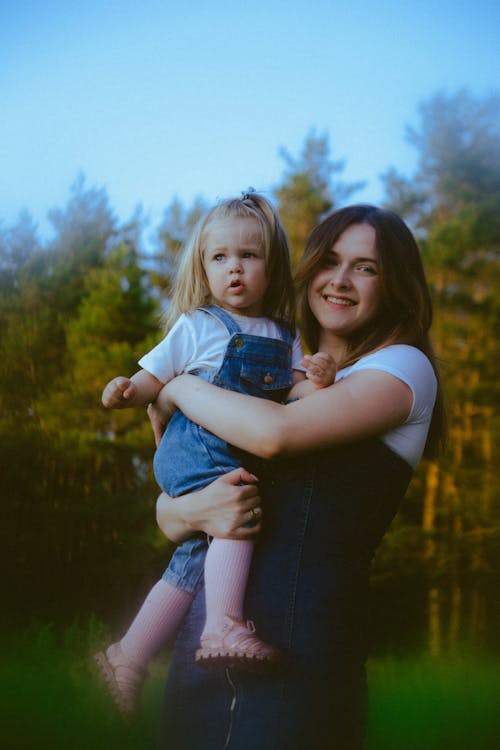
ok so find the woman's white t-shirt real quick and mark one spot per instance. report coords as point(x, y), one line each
point(411, 366)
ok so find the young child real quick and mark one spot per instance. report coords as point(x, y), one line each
point(231, 321)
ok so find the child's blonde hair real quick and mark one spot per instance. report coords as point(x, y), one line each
point(191, 288)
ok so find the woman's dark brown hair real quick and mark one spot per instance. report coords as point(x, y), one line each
point(405, 311)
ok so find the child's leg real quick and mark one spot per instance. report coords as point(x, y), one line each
point(156, 622)
point(123, 665)
point(228, 641)
point(227, 565)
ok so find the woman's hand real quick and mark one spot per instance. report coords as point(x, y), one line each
point(160, 412)
point(158, 421)
point(221, 509)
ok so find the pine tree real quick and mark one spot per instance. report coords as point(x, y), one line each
point(308, 189)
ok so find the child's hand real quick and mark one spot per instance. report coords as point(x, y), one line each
point(321, 369)
point(119, 393)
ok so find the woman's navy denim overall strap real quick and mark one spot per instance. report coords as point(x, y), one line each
point(190, 457)
point(307, 593)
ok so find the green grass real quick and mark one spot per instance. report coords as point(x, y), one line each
point(431, 703)
point(50, 699)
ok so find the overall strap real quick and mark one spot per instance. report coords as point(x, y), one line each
point(286, 333)
point(224, 317)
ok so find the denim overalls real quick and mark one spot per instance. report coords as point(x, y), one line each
point(325, 514)
point(190, 457)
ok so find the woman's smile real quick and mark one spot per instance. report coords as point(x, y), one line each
point(336, 300)
point(344, 294)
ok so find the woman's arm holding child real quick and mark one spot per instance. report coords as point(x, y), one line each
point(363, 404)
point(222, 509)
point(320, 373)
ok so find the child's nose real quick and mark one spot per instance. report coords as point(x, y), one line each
point(235, 265)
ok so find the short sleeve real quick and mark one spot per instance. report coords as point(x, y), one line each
point(173, 354)
point(411, 366)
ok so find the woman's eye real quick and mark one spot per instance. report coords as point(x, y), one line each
point(366, 269)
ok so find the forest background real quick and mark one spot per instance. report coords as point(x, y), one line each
point(78, 534)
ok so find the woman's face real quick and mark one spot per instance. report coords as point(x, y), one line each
point(344, 295)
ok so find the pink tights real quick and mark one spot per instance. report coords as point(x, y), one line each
point(227, 565)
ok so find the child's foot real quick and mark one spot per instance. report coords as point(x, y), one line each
point(123, 678)
point(237, 646)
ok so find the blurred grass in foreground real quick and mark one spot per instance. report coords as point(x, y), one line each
point(51, 699)
point(448, 702)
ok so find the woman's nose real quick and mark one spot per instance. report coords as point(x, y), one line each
point(340, 277)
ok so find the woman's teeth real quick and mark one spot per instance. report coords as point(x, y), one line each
point(339, 301)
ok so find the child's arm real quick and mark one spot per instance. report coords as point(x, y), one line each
point(139, 390)
point(320, 373)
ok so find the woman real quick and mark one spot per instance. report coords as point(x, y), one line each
point(339, 464)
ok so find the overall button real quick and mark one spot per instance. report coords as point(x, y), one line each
point(238, 342)
point(268, 378)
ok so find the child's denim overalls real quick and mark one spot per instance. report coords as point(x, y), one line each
point(189, 457)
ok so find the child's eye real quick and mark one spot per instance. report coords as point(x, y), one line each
point(219, 256)
point(249, 254)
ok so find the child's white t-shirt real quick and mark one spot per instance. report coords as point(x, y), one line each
point(411, 366)
point(198, 340)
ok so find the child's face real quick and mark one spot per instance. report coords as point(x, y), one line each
point(235, 265)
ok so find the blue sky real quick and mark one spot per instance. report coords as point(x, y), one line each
point(155, 99)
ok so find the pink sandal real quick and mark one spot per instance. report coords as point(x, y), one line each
point(237, 646)
point(123, 678)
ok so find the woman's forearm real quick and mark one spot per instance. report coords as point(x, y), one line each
point(170, 519)
point(250, 423)
point(367, 403)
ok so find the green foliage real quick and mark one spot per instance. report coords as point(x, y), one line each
point(458, 145)
point(17, 246)
point(308, 190)
point(452, 202)
point(77, 478)
point(173, 232)
point(425, 703)
point(113, 326)
point(80, 523)
point(51, 698)
point(84, 307)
